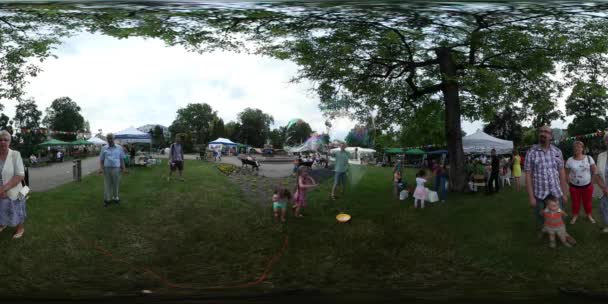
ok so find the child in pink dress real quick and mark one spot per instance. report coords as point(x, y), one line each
point(420, 192)
point(303, 183)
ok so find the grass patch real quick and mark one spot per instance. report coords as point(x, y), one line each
point(205, 232)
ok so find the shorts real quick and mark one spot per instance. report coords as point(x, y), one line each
point(177, 164)
point(340, 177)
point(279, 205)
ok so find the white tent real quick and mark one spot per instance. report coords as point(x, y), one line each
point(480, 142)
point(97, 141)
point(362, 153)
point(351, 150)
point(132, 135)
point(223, 141)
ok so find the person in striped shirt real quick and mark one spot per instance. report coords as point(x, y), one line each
point(554, 223)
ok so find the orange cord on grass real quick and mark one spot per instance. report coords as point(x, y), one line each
point(169, 284)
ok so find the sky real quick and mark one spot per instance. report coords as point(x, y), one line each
point(135, 81)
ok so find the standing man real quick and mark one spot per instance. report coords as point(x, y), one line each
point(112, 162)
point(545, 173)
point(600, 180)
point(218, 153)
point(341, 168)
point(493, 184)
point(176, 158)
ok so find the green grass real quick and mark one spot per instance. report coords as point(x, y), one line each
point(205, 232)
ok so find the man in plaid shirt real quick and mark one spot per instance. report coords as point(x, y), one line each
point(545, 174)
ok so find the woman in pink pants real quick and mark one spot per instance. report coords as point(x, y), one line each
point(580, 168)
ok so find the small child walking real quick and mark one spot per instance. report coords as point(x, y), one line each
point(554, 223)
point(279, 203)
point(420, 192)
point(303, 182)
point(396, 183)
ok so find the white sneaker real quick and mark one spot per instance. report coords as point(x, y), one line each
point(605, 230)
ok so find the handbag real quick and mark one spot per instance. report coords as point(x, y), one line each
point(432, 196)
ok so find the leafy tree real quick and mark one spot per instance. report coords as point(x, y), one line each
point(277, 137)
point(425, 127)
point(233, 131)
point(359, 136)
point(588, 103)
point(255, 126)
point(506, 125)
point(64, 115)
point(195, 120)
point(298, 133)
point(218, 129)
point(27, 116)
point(474, 59)
point(87, 127)
point(158, 136)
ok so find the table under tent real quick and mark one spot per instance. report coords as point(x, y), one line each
point(140, 141)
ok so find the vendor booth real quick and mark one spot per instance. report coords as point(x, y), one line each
point(136, 138)
point(482, 143)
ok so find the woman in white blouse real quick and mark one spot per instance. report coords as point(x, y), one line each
point(580, 168)
point(12, 204)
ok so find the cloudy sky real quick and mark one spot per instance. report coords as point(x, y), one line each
point(133, 82)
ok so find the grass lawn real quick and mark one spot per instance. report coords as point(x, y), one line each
point(205, 232)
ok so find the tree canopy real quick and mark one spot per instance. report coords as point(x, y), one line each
point(254, 127)
point(392, 59)
point(196, 121)
point(64, 115)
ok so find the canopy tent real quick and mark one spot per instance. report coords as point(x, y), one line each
point(352, 150)
point(132, 135)
point(437, 152)
point(223, 141)
point(415, 152)
point(80, 142)
point(394, 151)
point(480, 142)
point(54, 142)
point(97, 141)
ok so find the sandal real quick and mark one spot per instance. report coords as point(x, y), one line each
point(573, 221)
point(591, 219)
point(18, 235)
point(2, 228)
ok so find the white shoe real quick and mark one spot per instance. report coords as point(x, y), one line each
point(605, 230)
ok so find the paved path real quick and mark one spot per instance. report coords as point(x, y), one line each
point(49, 177)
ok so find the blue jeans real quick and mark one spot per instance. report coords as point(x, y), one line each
point(540, 205)
point(440, 187)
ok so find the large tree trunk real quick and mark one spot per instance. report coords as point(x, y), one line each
point(447, 67)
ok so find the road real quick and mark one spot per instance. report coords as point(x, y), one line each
point(49, 177)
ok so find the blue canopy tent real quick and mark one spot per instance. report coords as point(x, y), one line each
point(222, 142)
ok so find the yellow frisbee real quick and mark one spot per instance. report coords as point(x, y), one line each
point(343, 217)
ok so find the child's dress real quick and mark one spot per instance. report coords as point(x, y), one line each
point(420, 192)
point(554, 222)
point(300, 195)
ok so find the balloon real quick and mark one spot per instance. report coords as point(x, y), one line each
point(294, 122)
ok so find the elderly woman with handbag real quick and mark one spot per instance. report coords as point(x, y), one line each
point(12, 200)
